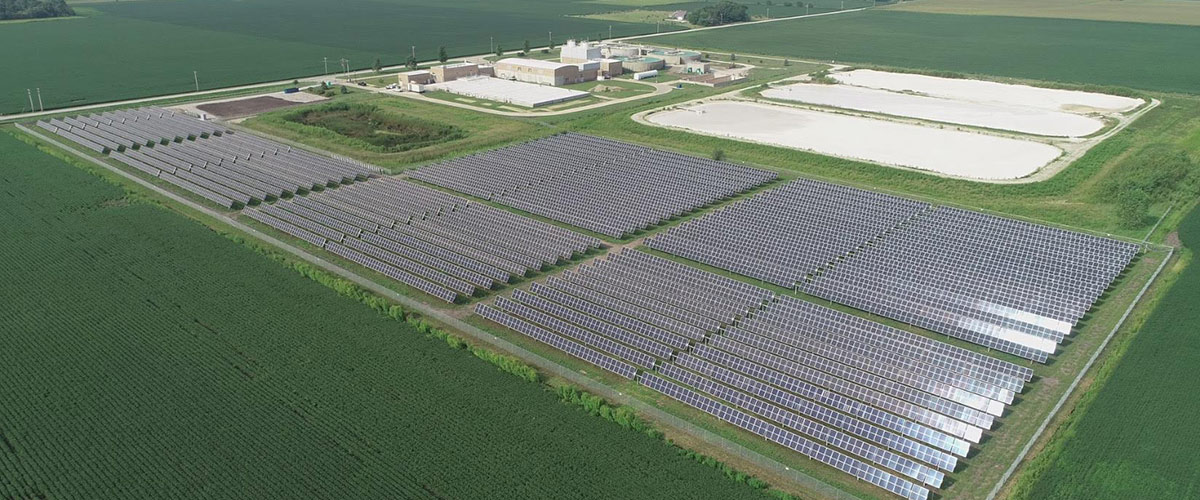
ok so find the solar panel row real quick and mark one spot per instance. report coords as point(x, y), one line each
point(225, 167)
point(606, 186)
point(439, 243)
point(1004, 284)
point(784, 437)
point(902, 405)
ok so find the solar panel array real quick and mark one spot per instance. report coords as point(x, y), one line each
point(1008, 285)
point(441, 244)
point(1005, 284)
point(606, 186)
point(890, 407)
point(222, 166)
point(783, 235)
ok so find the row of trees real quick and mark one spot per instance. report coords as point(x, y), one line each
point(724, 12)
point(34, 9)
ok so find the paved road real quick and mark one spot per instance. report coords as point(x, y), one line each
point(661, 418)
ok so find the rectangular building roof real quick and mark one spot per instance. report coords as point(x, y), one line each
point(532, 63)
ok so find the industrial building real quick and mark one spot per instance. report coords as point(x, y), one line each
point(412, 80)
point(546, 72)
point(518, 93)
point(675, 57)
point(618, 57)
point(578, 52)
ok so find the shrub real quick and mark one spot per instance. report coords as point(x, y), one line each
point(1161, 171)
point(1132, 206)
point(718, 154)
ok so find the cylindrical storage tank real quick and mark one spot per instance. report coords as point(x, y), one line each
point(645, 74)
point(622, 51)
point(642, 64)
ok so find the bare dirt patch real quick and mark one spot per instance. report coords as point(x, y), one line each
point(246, 107)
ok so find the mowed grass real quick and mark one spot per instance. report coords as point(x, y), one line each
point(1134, 434)
point(1133, 55)
point(1186, 12)
point(124, 50)
point(146, 356)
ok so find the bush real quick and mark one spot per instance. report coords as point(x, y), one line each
point(718, 154)
point(1133, 205)
point(1163, 172)
point(597, 406)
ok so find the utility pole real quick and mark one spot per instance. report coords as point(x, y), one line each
point(610, 32)
point(30, 94)
point(40, 106)
point(196, 77)
point(326, 60)
point(414, 51)
point(768, 12)
point(491, 45)
point(550, 39)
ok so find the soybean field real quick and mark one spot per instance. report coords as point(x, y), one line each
point(1134, 55)
point(146, 356)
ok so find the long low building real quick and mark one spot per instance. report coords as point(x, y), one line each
point(546, 72)
point(507, 91)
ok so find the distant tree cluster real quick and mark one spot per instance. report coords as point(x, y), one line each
point(724, 12)
point(34, 9)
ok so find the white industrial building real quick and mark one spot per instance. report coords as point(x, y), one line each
point(546, 72)
point(512, 92)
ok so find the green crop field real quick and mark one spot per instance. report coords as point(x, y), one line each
point(1134, 55)
point(122, 50)
point(1185, 12)
point(146, 356)
point(1134, 435)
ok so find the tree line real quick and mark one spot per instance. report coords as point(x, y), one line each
point(723, 12)
point(34, 9)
